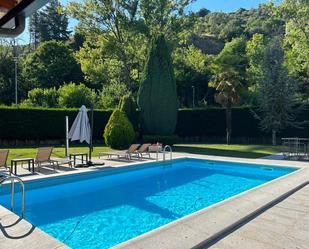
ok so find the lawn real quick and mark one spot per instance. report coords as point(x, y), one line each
point(245, 151)
point(58, 151)
point(234, 150)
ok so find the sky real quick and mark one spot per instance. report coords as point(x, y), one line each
point(225, 5)
point(212, 5)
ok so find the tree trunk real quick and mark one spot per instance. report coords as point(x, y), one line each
point(274, 137)
point(228, 113)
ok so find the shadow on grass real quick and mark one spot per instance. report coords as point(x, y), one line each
point(219, 152)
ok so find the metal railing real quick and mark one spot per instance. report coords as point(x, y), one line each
point(12, 179)
point(297, 148)
point(170, 150)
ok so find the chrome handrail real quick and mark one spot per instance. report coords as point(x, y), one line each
point(170, 150)
point(12, 179)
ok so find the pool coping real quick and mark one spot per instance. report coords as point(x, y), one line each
point(192, 231)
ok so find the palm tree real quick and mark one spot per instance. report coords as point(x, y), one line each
point(227, 85)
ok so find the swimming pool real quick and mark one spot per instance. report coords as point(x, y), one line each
point(102, 209)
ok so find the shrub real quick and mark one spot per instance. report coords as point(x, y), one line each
point(118, 132)
point(42, 97)
point(157, 97)
point(72, 95)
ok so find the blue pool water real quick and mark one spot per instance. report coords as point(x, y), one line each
point(96, 210)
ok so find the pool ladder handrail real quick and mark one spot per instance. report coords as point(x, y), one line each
point(13, 179)
point(170, 150)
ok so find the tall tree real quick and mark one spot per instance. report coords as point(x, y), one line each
point(51, 65)
point(157, 96)
point(117, 34)
point(229, 69)
point(227, 85)
point(10, 55)
point(34, 29)
point(296, 40)
point(112, 39)
point(255, 53)
point(6, 74)
point(51, 23)
point(162, 16)
point(191, 70)
point(277, 91)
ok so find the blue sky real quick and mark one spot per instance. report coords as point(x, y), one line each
point(212, 5)
point(225, 5)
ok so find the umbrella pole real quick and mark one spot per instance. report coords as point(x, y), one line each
point(91, 137)
point(66, 136)
point(90, 163)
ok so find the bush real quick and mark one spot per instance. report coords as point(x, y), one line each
point(170, 140)
point(118, 132)
point(72, 95)
point(42, 97)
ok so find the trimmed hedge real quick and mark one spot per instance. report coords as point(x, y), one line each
point(209, 123)
point(204, 124)
point(43, 123)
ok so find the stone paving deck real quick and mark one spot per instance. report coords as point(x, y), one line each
point(17, 233)
point(284, 226)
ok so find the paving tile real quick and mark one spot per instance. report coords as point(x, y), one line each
point(261, 234)
point(299, 234)
point(270, 226)
point(278, 219)
point(235, 241)
point(297, 206)
point(286, 212)
point(292, 243)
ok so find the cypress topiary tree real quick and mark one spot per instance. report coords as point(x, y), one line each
point(118, 132)
point(157, 96)
point(129, 107)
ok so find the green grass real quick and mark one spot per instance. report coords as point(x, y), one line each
point(234, 150)
point(58, 151)
point(244, 151)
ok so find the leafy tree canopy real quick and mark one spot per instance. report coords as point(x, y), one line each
point(73, 95)
point(51, 65)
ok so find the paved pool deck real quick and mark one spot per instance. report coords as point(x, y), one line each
point(284, 226)
point(17, 233)
point(233, 223)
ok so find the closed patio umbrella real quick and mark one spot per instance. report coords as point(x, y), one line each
point(81, 131)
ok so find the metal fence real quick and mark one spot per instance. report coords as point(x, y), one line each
point(295, 148)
